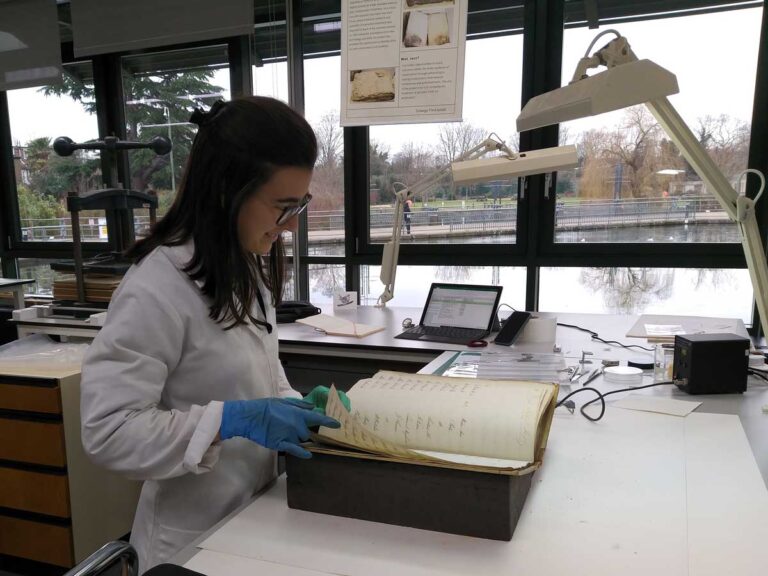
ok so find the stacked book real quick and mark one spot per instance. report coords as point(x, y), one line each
point(98, 287)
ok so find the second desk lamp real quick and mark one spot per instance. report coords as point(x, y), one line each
point(470, 168)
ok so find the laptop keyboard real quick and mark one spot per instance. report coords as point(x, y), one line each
point(449, 333)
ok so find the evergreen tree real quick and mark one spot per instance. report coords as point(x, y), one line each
point(148, 97)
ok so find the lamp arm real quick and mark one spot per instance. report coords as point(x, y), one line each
point(487, 145)
point(740, 209)
point(694, 153)
point(391, 251)
point(754, 252)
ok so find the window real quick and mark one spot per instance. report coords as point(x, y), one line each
point(413, 283)
point(324, 281)
point(633, 186)
point(270, 75)
point(680, 291)
point(402, 155)
point(325, 214)
point(40, 270)
point(43, 178)
point(161, 91)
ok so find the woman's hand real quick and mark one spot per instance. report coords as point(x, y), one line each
point(276, 423)
point(319, 398)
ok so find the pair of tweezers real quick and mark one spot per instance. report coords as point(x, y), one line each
point(592, 375)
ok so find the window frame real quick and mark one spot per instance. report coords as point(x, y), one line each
point(542, 23)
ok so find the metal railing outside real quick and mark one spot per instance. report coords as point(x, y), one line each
point(480, 217)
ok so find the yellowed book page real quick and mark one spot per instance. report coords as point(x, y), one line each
point(488, 418)
point(474, 460)
point(353, 433)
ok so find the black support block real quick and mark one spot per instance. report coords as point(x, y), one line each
point(450, 500)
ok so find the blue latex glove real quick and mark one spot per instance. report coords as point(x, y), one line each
point(319, 398)
point(276, 423)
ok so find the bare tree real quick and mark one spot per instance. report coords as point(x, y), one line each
point(454, 140)
point(513, 142)
point(597, 171)
point(726, 139)
point(457, 138)
point(328, 180)
point(329, 279)
point(629, 290)
point(411, 164)
point(634, 144)
point(454, 273)
point(330, 140)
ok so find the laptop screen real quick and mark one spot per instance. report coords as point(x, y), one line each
point(461, 306)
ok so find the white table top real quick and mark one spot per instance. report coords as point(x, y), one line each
point(637, 493)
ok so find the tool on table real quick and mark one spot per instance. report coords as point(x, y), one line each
point(592, 375)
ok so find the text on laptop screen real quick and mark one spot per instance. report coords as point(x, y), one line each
point(460, 307)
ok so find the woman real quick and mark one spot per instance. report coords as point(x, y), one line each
point(183, 388)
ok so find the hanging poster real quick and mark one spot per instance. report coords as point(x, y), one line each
point(402, 61)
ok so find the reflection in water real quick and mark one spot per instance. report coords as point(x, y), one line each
point(326, 279)
point(458, 274)
point(622, 290)
point(627, 290)
point(688, 234)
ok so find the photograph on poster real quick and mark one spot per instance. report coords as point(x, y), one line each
point(372, 85)
point(413, 3)
point(427, 28)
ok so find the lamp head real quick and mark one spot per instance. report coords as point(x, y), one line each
point(522, 164)
point(618, 87)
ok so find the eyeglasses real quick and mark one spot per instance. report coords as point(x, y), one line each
point(291, 211)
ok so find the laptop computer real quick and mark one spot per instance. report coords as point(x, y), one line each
point(456, 313)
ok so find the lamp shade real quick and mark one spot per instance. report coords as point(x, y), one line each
point(613, 89)
point(526, 163)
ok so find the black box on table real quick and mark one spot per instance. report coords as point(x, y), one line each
point(383, 489)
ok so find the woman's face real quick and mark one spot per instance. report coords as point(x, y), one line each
point(257, 221)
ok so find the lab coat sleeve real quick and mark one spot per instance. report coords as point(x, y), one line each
point(284, 389)
point(125, 427)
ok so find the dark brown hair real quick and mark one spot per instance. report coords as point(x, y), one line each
point(239, 146)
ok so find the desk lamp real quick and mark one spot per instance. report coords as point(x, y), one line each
point(626, 82)
point(470, 168)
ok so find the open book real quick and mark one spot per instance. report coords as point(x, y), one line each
point(488, 424)
point(335, 326)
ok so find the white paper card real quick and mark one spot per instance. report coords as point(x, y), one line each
point(664, 329)
point(660, 405)
point(345, 300)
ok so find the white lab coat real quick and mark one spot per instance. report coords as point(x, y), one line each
point(153, 386)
